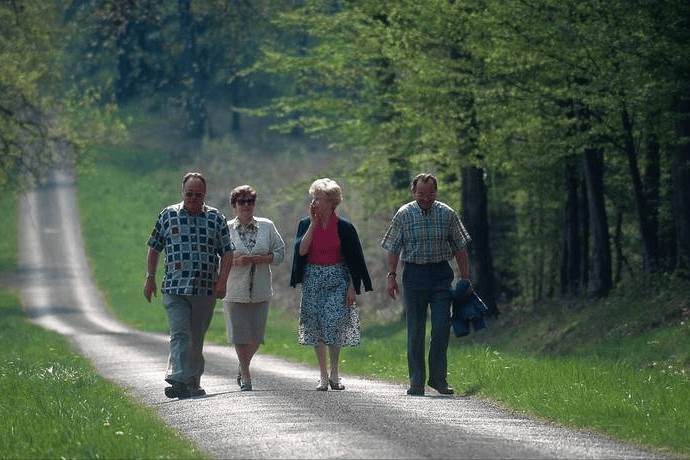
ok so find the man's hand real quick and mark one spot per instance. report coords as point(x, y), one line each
point(219, 289)
point(392, 288)
point(150, 288)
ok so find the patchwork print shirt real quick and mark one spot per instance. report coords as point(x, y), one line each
point(193, 245)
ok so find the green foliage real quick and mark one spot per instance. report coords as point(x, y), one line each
point(512, 87)
point(42, 122)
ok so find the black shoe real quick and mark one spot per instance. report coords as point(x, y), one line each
point(246, 386)
point(177, 390)
point(198, 391)
point(443, 389)
point(415, 391)
point(336, 384)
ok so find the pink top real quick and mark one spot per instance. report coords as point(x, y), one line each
point(325, 244)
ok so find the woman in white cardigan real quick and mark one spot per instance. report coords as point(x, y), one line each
point(258, 245)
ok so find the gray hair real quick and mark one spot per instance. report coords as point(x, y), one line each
point(328, 187)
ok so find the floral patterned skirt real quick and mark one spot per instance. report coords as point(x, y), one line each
point(324, 316)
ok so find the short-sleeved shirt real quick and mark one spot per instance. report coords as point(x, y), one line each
point(424, 237)
point(193, 245)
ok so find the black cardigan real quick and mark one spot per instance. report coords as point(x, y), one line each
point(350, 248)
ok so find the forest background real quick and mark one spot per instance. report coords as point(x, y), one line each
point(559, 130)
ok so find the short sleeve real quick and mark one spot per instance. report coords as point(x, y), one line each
point(393, 239)
point(458, 237)
point(157, 239)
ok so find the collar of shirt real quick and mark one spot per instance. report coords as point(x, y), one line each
point(237, 224)
point(425, 212)
point(181, 210)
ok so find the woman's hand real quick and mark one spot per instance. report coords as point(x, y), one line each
point(312, 212)
point(351, 296)
point(242, 260)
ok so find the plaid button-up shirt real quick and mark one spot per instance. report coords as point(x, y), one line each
point(423, 237)
point(193, 244)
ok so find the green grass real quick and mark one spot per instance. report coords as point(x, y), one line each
point(591, 366)
point(8, 237)
point(120, 200)
point(53, 403)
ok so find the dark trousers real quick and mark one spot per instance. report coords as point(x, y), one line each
point(427, 286)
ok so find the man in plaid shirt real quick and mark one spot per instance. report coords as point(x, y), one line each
point(426, 234)
point(196, 241)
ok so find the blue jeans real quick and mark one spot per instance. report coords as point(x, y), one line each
point(424, 286)
point(188, 318)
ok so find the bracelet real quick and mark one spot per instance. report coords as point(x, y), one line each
point(150, 275)
point(393, 274)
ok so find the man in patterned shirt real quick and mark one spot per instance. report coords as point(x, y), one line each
point(196, 241)
point(426, 234)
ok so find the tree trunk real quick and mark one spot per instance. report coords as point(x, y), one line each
point(584, 212)
point(192, 81)
point(618, 246)
point(649, 242)
point(600, 280)
point(652, 179)
point(125, 16)
point(680, 177)
point(476, 218)
point(572, 230)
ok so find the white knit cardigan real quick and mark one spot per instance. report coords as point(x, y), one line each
point(268, 241)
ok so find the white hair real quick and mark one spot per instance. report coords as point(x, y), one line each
point(328, 187)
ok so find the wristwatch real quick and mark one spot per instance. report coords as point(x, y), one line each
point(393, 274)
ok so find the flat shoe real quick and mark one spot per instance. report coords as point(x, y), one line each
point(177, 390)
point(336, 385)
point(246, 386)
point(198, 391)
point(323, 385)
point(443, 389)
point(415, 391)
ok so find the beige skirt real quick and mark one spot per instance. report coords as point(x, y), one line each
point(245, 322)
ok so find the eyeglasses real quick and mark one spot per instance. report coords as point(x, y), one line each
point(247, 201)
point(194, 194)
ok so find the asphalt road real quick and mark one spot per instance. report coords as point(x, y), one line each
point(284, 417)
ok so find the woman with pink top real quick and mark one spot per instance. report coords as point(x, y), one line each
point(329, 262)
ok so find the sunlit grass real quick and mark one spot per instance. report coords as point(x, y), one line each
point(592, 387)
point(54, 405)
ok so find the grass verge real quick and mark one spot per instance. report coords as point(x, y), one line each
point(54, 405)
point(583, 385)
